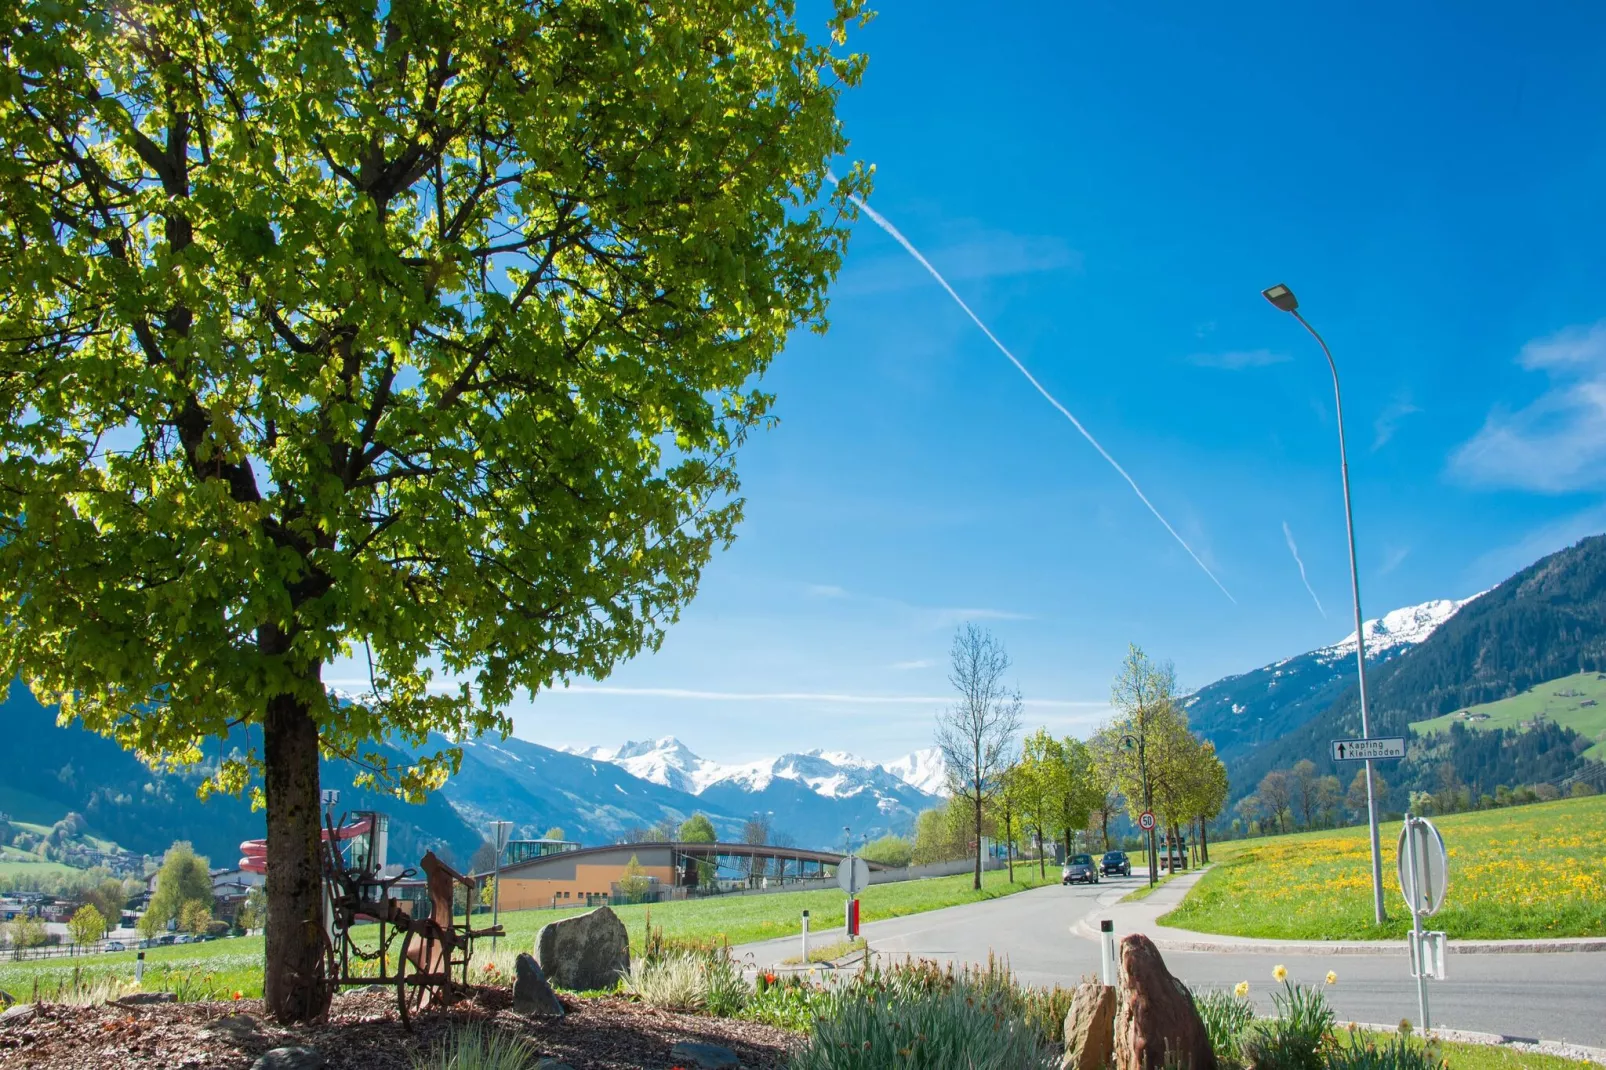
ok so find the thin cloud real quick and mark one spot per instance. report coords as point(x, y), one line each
point(1393, 559)
point(1556, 443)
point(1288, 534)
point(826, 590)
point(1239, 359)
point(908, 666)
point(836, 698)
point(1388, 421)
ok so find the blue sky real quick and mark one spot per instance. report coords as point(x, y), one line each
point(1110, 187)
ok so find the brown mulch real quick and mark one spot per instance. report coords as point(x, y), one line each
point(364, 1032)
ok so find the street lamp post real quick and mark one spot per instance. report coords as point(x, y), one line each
point(1283, 298)
point(500, 833)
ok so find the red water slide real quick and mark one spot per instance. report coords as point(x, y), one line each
point(254, 853)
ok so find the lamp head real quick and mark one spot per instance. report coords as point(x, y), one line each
point(1281, 296)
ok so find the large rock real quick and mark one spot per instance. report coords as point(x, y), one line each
point(140, 999)
point(704, 1056)
point(1090, 1028)
point(590, 950)
point(1157, 1015)
point(531, 993)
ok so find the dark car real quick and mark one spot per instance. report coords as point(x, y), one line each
point(1116, 862)
point(1079, 868)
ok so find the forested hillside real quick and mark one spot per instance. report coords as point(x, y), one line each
point(1547, 621)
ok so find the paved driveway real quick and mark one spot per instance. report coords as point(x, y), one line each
point(1559, 996)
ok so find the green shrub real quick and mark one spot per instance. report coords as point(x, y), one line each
point(473, 1047)
point(1298, 1037)
point(669, 982)
point(961, 1026)
point(1226, 1019)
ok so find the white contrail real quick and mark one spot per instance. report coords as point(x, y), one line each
point(1289, 535)
point(897, 235)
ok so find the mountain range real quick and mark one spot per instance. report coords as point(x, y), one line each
point(1545, 622)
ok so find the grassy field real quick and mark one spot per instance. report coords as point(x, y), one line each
point(1577, 702)
point(1520, 872)
point(21, 863)
point(218, 968)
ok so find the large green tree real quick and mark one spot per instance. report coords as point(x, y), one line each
point(416, 334)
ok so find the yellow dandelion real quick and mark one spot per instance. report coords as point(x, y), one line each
point(1241, 989)
point(1332, 978)
point(1279, 973)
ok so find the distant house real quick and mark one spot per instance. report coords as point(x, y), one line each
point(232, 876)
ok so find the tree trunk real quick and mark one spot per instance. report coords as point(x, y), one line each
point(1009, 840)
point(976, 880)
point(293, 986)
point(1104, 827)
point(1204, 844)
point(1042, 872)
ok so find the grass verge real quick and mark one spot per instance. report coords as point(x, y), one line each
point(1149, 889)
point(1516, 873)
point(221, 967)
point(829, 952)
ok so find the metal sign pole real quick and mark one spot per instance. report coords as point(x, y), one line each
point(499, 835)
point(1416, 864)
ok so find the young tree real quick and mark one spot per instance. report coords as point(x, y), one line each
point(1044, 779)
point(1304, 786)
point(940, 834)
point(488, 891)
point(25, 931)
point(1004, 810)
point(149, 924)
point(1355, 798)
point(634, 882)
point(1276, 792)
point(893, 851)
point(1330, 799)
point(423, 333)
point(976, 735)
point(253, 913)
point(183, 878)
point(106, 895)
point(195, 916)
point(697, 829)
point(553, 833)
point(86, 926)
point(1144, 694)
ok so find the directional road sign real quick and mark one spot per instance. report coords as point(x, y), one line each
point(1360, 750)
point(1146, 821)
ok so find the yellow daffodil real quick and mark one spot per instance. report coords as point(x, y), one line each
point(1241, 989)
point(1279, 973)
point(1332, 977)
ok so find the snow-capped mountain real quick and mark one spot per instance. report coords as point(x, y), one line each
point(803, 793)
point(1402, 627)
point(1239, 713)
point(924, 769)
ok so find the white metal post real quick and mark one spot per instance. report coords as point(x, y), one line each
point(805, 938)
point(1417, 870)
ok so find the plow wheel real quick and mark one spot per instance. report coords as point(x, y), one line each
point(423, 977)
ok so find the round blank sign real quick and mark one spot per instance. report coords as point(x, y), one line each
point(1421, 842)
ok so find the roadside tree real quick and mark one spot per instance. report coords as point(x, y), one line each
point(976, 735)
point(1304, 785)
point(86, 926)
point(1276, 793)
point(697, 829)
point(894, 851)
point(184, 878)
point(195, 916)
point(1355, 797)
point(421, 333)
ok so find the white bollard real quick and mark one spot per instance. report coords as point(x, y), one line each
point(139, 968)
point(1107, 950)
point(805, 938)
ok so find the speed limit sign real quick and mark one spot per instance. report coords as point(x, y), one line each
point(1146, 821)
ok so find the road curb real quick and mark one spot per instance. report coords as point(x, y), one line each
point(1500, 1040)
point(1202, 942)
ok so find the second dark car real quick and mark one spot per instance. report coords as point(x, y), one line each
point(1116, 862)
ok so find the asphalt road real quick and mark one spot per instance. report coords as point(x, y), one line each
point(1555, 996)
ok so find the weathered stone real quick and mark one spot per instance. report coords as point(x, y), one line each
point(587, 951)
point(17, 1014)
point(289, 1059)
point(705, 1056)
point(551, 1064)
point(1157, 1015)
point(1090, 1028)
point(531, 993)
point(367, 990)
point(140, 999)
